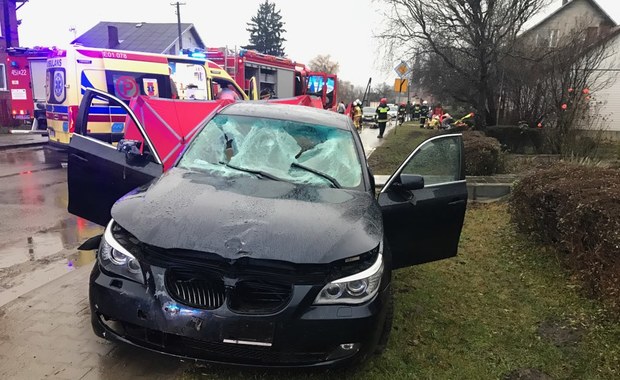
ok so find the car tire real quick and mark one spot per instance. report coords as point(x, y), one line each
point(387, 325)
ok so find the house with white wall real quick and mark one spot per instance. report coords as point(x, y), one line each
point(573, 14)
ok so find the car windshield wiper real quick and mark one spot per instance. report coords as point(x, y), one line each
point(331, 179)
point(252, 171)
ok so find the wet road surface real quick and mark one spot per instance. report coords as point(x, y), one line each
point(46, 334)
point(45, 327)
point(38, 236)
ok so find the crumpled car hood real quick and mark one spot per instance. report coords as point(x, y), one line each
point(249, 217)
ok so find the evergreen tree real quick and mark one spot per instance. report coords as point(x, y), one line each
point(266, 30)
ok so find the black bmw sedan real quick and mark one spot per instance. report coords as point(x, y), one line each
point(260, 239)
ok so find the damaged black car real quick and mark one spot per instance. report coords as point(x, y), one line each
point(259, 238)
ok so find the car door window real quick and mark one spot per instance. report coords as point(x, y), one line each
point(437, 160)
point(423, 203)
point(107, 119)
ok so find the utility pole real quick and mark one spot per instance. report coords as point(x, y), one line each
point(178, 6)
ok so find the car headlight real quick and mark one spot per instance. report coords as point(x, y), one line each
point(355, 289)
point(116, 259)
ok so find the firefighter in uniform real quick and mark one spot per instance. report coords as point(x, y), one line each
point(382, 116)
point(423, 113)
point(416, 112)
point(357, 115)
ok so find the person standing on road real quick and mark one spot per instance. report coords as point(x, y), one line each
point(423, 113)
point(357, 115)
point(382, 116)
point(409, 110)
point(416, 111)
point(341, 107)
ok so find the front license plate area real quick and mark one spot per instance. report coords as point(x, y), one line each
point(249, 333)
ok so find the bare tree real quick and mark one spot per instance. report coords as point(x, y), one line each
point(555, 87)
point(324, 64)
point(469, 37)
point(347, 92)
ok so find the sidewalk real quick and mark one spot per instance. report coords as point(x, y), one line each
point(21, 140)
point(47, 334)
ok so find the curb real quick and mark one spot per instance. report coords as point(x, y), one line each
point(25, 145)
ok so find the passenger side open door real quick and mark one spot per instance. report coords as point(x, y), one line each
point(424, 202)
point(99, 173)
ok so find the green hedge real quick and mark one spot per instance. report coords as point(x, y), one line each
point(483, 155)
point(576, 209)
point(517, 139)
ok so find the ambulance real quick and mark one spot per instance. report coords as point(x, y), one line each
point(125, 74)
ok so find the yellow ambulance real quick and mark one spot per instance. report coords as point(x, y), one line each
point(125, 74)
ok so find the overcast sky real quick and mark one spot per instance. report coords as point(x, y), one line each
point(343, 29)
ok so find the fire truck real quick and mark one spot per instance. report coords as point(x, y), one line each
point(26, 70)
point(282, 77)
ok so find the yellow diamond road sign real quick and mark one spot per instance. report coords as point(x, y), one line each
point(402, 69)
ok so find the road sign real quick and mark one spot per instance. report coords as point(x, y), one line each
point(402, 69)
point(400, 85)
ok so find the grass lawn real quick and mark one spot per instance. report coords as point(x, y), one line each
point(396, 147)
point(503, 308)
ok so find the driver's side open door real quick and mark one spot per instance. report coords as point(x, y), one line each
point(99, 173)
point(424, 201)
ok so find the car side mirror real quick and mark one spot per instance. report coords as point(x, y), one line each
point(412, 182)
point(131, 148)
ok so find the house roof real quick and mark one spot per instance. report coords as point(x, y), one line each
point(138, 36)
point(567, 6)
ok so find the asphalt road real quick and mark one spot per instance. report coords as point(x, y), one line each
point(38, 236)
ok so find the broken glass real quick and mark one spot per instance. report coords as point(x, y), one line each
point(276, 149)
point(268, 149)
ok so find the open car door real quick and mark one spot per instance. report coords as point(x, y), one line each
point(424, 201)
point(99, 173)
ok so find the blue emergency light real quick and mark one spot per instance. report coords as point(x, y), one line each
point(194, 53)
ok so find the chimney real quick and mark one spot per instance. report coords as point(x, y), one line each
point(112, 37)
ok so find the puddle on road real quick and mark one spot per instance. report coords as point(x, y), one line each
point(66, 236)
point(44, 257)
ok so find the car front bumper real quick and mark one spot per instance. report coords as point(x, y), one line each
point(299, 335)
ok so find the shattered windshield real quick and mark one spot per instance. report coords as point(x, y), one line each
point(275, 149)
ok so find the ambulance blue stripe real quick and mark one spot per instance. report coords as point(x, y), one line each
point(100, 110)
point(58, 109)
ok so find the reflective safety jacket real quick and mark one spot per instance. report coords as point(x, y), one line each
point(382, 113)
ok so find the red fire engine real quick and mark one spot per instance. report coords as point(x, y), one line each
point(26, 70)
point(282, 77)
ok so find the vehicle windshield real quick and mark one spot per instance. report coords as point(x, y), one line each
point(369, 110)
point(283, 150)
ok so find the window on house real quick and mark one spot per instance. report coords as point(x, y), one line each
point(554, 35)
point(3, 86)
point(547, 38)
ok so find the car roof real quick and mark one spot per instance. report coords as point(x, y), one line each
point(296, 113)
